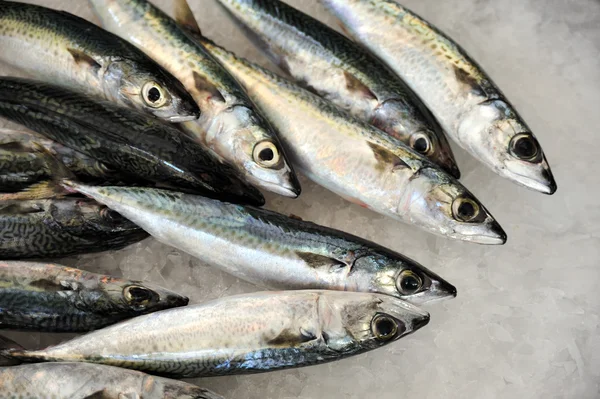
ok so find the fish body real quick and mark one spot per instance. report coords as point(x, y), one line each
point(62, 227)
point(270, 249)
point(248, 333)
point(463, 98)
point(63, 49)
point(81, 381)
point(22, 164)
point(229, 125)
point(54, 298)
point(361, 163)
point(127, 140)
point(344, 73)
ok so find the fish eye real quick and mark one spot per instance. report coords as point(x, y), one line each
point(266, 154)
point(137, 295)
point(153, 95)
point(524, 146)
point(384, 327)
point(421, 143)
point(408, 282)
point(465, 209)
point(109, 214)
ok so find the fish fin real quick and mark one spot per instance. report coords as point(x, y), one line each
point(292, 216)
point(6, 347)
point(103, 394)
point(386, 158)
point(289, 337)
point(185, 17)
point(468, 80)
point(15, 146)
point(356, 86)
point(81, 58)
point(317, 261)
point(203, 85)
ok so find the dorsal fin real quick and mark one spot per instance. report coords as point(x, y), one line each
point(185, 17)
point(356, 86)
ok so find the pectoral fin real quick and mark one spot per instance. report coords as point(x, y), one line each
point(387, 159)
point(84, 60)
point(359, 88)
point(317, 261)
point(203, 85)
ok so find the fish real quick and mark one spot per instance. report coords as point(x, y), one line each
point(341, 71)
point(92, 381)
point(60, 48)
point(360, 162)
point(269, 249)
point(229, 124)
point(59, 227)
point(464, 99)
point(23, 164)
point(248, 333)
point(127, 140)
point(54, 298)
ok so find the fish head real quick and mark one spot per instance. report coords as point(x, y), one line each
point(438, 203)
point(398, 276)
point(497, 135)
point(353, 322)
point(135, 297)
point(257, 148)
point(148, 88)
point(393, 116)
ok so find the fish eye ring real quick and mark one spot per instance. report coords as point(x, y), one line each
point(408, 282)
point(465, 209)
point(524, 146)
point(421, 143)
point(384, 327)
point(266, 154)
point(153, 95)
point(137, 295)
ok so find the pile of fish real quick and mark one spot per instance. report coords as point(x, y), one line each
point(146, 127)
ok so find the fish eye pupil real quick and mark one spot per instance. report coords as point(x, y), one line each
point(466, 210)
point(266, 155)
point(384, 327)
point(139, 294)
point(525, 147)
point(410, 284)
point(421, 145)
point(153, 94)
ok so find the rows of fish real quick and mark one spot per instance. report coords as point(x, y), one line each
point(146, 127)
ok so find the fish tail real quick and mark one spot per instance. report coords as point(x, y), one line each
point(7, 347)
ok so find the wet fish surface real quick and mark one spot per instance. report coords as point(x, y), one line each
point(22, 164)
point(86, 381)
point(229, 125)
point(63, 49)
point(54, 298)
point(341, 71)
point(240, 334)
point(126, 140)
point(62, 227)
point(361, 163)
point(463, 98)
point(270, 249)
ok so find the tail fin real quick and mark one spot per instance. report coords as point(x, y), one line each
point(46, 189)
point(6, 347)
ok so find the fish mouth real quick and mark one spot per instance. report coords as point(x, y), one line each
point(495, 235)
point(420, 322)
point(290, 189)
point(181, 118)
